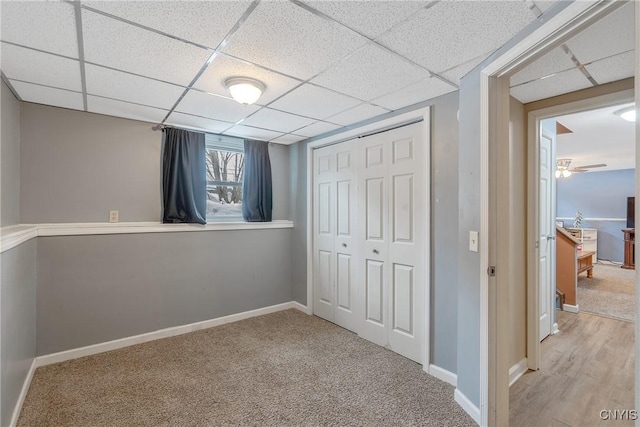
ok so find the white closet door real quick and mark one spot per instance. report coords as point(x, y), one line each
point(373, 198)
point(324, 225)
point(407, 201)
point(335, 247)
point(347, 307)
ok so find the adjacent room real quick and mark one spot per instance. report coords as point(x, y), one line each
point(268, 212)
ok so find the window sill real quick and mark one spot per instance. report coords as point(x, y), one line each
point(12, 236)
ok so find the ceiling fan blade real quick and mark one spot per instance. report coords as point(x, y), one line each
point(578, 170)
point(599, 165)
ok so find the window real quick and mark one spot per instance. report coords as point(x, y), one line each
point(225, 167)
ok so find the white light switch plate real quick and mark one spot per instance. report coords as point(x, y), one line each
point(473, 241)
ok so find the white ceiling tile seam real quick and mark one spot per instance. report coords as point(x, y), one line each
point(578, 64)
point(10, 86)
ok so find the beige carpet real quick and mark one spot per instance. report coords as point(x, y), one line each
point(610, 293)
point(283, 369)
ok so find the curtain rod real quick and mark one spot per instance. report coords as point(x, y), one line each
point(160, 126)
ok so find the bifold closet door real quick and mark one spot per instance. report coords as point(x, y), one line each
point(392, 229)
point(334, 235)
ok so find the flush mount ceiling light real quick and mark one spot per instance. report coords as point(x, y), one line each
point(627, 113)
point(244, 90)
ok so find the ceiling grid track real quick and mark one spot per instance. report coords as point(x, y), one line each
point(578, 64)
point(215, 53)
point(83, 76)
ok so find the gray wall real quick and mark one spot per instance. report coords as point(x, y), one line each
point(298, 209)
point(444, 229)
point(93, 289)
point(10, 167)
point(598, 195)
point(77, 166)
point(18, 320)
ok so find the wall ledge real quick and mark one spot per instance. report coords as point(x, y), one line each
point(14, 235)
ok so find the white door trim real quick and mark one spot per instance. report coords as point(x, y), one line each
point(423, 114)
point(559, 27)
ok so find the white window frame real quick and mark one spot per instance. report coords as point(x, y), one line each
point(230, 144)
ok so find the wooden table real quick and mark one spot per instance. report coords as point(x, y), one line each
point(585, 263)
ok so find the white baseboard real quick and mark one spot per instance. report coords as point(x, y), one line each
point(467, 405)
point(23, 395)
point(302, 308)
point(443, 374)
point(570, 308)
point(162, 333)
point(517, 370)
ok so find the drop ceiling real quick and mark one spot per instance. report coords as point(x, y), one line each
point(325, 64)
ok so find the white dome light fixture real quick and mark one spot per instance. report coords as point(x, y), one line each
point(627, 113)
point(244, 90)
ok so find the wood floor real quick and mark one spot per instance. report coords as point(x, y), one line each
point(586, 368)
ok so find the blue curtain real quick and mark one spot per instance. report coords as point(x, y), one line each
point(184, 177)
point(256, 191)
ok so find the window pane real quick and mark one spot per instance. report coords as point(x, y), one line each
point(225, 166)
point(224, 201)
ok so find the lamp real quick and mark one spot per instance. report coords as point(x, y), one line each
point(562, 168)
point(627, 113)
point(244, 90)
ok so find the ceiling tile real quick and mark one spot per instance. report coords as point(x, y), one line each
point(224, 67)
point(558, 84)
point(125, 110)
point(45, 25)
point(48, 96)
point(370, 18)
point(609, 36)
point(543, 5)
point(314, 101)
point(126, 87)
point(277, 120)
point(357, 114)
point(317, 128)
point(208, 23)
point(370, 72)
point(614, 68)
point(287, 38)
point(553, 62)
point(288, 139)
point(455, 74)
point(194, 122)
point(251, 132)
point(214, 107)
point(451, 33)
point(42, 68)
point(126, 47)
point(417, 92)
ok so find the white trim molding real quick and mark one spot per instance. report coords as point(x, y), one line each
point(571, 308)
point(23, 395)
point(161, 333)
point(593, 219)
point(12, 236)
point(555, 329)
point(467, 405)
point(517, 370)
point(443, 374)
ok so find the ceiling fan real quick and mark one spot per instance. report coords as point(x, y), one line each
point(564, 169)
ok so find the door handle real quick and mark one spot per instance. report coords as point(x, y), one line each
point(375, 251)
point(550, 237)
point(344, 245)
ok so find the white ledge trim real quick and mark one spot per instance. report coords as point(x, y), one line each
point(12, 236)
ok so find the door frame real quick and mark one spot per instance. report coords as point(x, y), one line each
point(379, 124)
point(534, 118)
point(494, 136)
